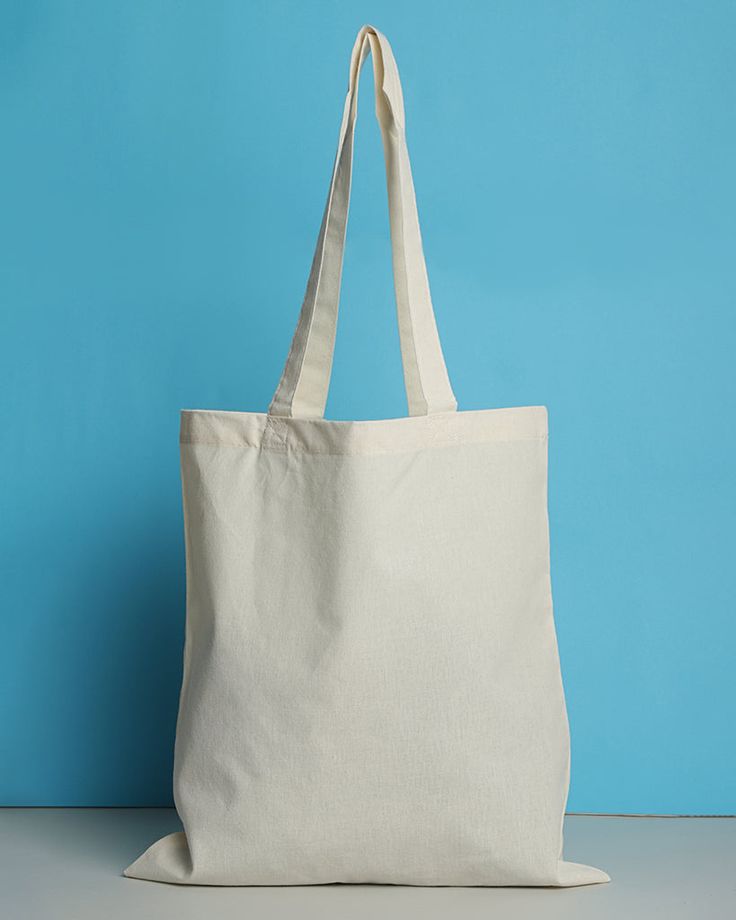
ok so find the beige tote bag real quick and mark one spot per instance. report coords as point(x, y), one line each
point(371, 687)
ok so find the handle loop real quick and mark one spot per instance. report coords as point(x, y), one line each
point(302, 390)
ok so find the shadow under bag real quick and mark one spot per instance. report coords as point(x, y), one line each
point(371, 688)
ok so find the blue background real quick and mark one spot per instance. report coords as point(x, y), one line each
point(163, 170)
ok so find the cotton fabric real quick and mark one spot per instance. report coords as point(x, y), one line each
point(371, 688)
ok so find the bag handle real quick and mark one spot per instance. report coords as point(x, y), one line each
point(302, 390)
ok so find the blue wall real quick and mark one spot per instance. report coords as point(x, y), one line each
point(163, 169)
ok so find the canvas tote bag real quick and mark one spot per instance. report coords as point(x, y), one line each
point(371, 687)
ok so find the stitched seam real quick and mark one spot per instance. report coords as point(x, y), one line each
point(453, 442)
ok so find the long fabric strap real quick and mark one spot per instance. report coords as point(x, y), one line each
point(302, 390)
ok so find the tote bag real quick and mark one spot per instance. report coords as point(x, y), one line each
point(371, 687)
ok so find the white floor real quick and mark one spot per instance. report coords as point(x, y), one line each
point(65, 864)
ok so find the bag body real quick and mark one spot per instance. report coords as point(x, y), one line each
point(371, 688)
